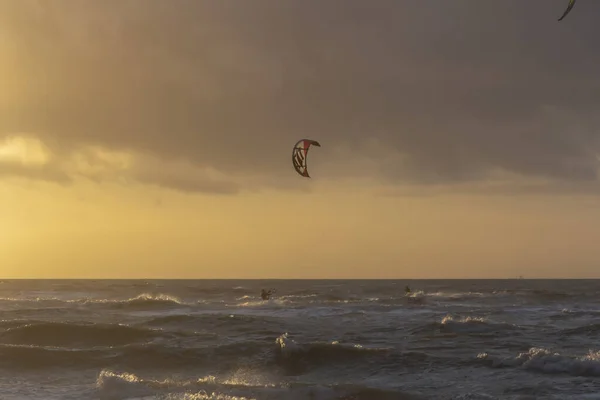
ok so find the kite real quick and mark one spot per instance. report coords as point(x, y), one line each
point(299, 155)
point(569, 7)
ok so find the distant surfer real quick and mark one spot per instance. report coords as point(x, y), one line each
point(266, 294)
point(407, 290)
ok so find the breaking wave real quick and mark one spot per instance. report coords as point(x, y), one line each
point(548, 362)
point(472, 325)
point(142, 301)
point(240, 385)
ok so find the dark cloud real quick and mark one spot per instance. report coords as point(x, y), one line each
point(458, 88)
point(42, 173)
point(188, 183)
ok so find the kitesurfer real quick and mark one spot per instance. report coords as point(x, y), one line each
point(265, 294)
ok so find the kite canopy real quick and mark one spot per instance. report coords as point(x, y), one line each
point(299, 155)
point(568, 10)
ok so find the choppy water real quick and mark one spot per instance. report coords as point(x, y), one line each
point(322, 340)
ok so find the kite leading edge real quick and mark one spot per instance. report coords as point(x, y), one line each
point(568, 10)
point(299, 155)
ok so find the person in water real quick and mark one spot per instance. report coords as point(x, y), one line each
point(265, 294)
point(407, 290)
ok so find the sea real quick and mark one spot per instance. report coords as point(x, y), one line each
point(314, 339)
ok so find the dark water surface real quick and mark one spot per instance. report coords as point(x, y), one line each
point(328, 339)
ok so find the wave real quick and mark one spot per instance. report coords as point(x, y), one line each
point(70, 334)
point(472, 325)
point(466, 325)
point(214, 320)
point(545, 294)
point(36, 299)
point(277, 301)
point(574, 314)
point(591, 329)
point(183, 352)
point(142, 301)
point(30, 357)
point(289, 347)
point(240, 385)
point(548, 362)
point(535, 294)
point(457, 296)
point(142, 348)
point(297, 358)
point(231, 297)
point(137, 356)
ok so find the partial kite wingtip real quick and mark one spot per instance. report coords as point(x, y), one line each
point(568, 10)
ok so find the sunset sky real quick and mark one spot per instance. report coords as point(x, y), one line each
point(153, 139)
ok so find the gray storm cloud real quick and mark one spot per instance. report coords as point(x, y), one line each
point(456, 88)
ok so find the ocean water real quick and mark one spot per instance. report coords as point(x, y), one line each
point(322, 340)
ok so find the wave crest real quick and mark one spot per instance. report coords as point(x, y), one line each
point(113, 385)
point(472, 325)
point(548, 362)
point(69, 334)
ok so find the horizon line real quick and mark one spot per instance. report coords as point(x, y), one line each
point(297, 279)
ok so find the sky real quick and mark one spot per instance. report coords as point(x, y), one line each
point(153, 139)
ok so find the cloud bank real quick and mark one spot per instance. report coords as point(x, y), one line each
point(208, 94)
